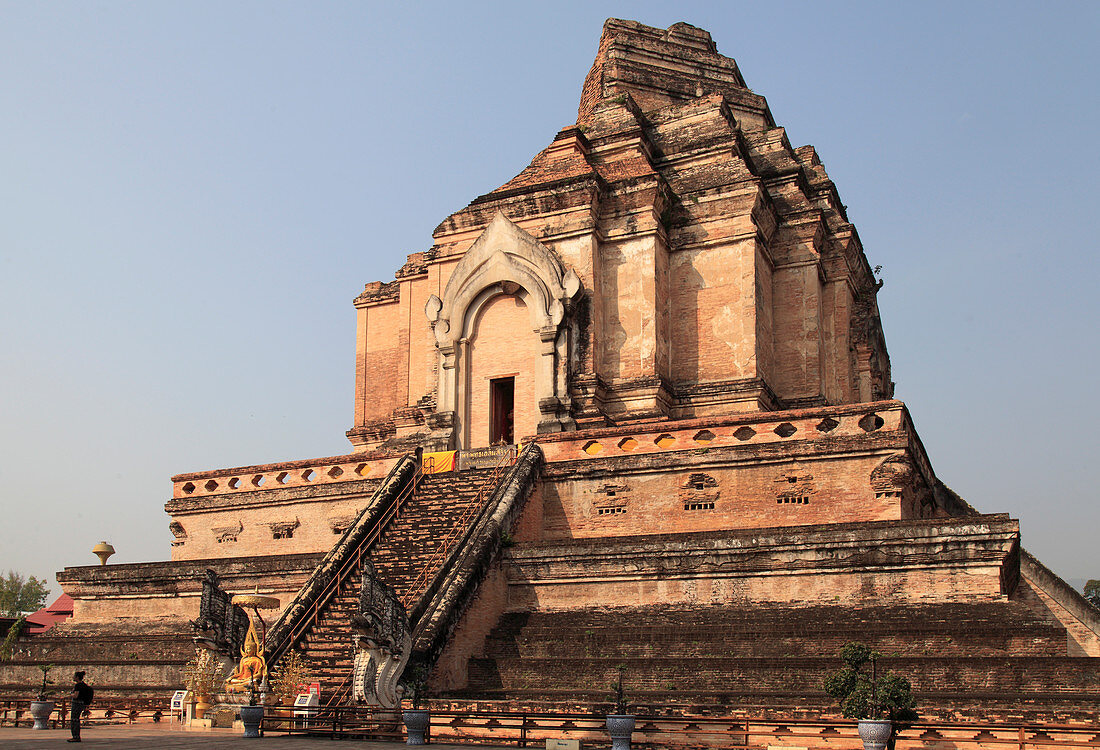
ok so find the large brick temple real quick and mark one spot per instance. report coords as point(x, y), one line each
point(633, 407)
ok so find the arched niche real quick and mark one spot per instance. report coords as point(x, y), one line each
point(504, 260)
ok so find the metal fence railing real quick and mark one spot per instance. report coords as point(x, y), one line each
point(17, 713)
point(524, 729)
point(652, 731)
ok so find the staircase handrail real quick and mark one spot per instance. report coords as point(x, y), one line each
point(345, 556)
point(340, 692)
point(458, 532)
point(438, 613)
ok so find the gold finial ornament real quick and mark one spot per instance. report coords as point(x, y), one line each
point(103, 551)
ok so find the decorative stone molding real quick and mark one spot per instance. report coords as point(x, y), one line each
point(900, 478)
point(284, 529)
point(178, 532)
point(893, 477)
point(383, 642)
point(223, 534)
point(340, 524)
point(795, 487)
point(699, 492)
point(611, 499)
point(221, 625)
point(505, 260)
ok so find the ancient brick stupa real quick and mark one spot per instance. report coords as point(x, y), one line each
point(635, 407)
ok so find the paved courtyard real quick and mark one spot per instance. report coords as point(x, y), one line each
point(164, 736)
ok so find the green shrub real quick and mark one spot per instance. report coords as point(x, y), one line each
point(863, 696)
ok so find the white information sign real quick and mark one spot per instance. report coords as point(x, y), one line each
point(306, 705)
point(179, 702)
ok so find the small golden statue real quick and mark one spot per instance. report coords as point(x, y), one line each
point(251, 673)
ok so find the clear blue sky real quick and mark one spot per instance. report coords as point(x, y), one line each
point(191, 194)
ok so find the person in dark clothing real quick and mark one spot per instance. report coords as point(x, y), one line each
point(81, 698)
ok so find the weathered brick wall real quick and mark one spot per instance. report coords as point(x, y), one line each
point(382, 345)
point(279, 520)
point(450, 671)
point(709, 498)
point(713, 299)
point(900, 562)
point(167, 590)
point(626, 292)
point(504, 345)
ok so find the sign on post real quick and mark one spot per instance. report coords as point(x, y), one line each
point(179, 703)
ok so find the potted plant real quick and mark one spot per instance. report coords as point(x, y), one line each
point(252, 714)
point(42, 707)
point(203, 677)
point(287, 677)
point(881, 705)
point(620, 725)
point(416, 719)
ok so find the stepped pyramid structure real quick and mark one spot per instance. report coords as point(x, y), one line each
point(633, 407)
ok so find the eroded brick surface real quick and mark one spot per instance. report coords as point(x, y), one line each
point(726, 492)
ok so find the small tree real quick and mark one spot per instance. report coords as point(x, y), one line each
point(19, 593)
point(203, 674)
point(620, 694)
point(8, 646)
point(1092, 593)
point(291, 672)
point(863, 696)
point(416, 685)
point(43, 692)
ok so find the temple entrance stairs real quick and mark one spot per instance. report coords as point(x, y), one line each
point(406, 549)
point(426, 536)
point(978, 659)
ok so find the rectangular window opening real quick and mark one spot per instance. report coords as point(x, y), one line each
point(502, 392)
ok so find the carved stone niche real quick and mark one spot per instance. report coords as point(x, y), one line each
point(699, 492)
point(178, 532)
point(504, 260)
point(224, 534)
point(340, 524)
point(898, 477)
point(795, 487)
point(893, 477)
point(283, 529)
point(611, 499)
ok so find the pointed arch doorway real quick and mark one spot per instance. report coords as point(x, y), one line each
point(505, 315)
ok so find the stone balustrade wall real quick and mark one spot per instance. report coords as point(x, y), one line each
point(305, 473)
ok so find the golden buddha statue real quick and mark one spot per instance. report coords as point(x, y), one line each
point(252, 670)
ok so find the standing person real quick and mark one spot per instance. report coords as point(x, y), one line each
point(81, 699)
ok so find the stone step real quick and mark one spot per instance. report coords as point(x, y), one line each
point(820, 618)
point(699, 645)
point(1074, 677)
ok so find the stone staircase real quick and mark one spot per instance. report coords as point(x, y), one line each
point(408, 545)
point(763, 660)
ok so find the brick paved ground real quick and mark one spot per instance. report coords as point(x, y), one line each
point(166, 737)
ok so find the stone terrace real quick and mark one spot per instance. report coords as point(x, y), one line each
point(765, 660)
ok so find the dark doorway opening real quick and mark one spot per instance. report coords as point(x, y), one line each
point(502, 393)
